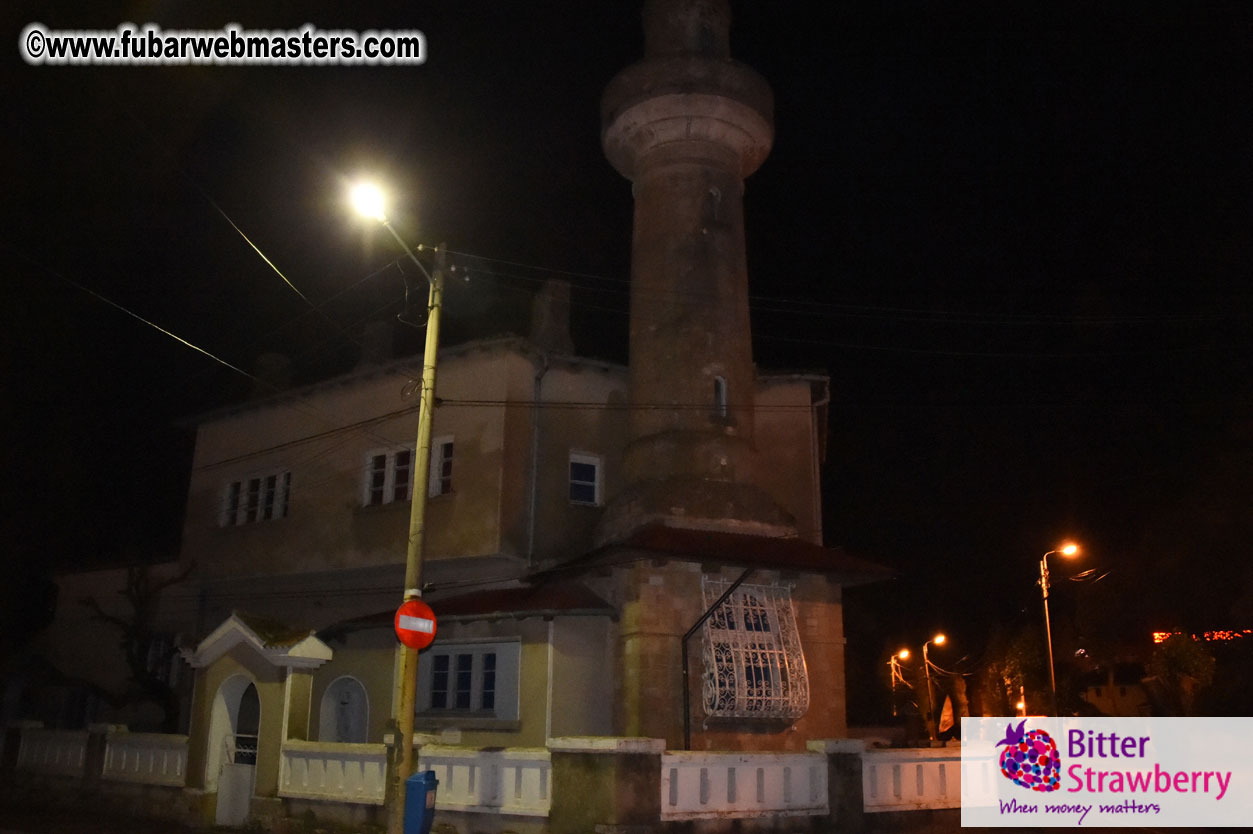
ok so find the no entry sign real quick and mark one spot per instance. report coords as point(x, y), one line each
point(415, 624)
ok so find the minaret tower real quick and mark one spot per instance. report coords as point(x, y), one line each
point(687, 125)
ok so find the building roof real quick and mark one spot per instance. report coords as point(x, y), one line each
point(556, 598)
point(277, 642)
point(762, 552)
point(410, 364)
point(548, 599)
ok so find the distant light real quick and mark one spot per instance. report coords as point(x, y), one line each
point(939, 639)
point(1069, 549)
point(1221, 636)
point(1020, 705)
point(367, 199)
point(903, 654)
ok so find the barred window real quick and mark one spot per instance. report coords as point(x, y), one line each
point(754, 663)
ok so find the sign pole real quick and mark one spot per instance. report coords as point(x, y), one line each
point(407, 674)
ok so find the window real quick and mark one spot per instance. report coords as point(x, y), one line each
point(256, 499)
point(585, 479)
point(720, 396)
point(476, 679)
point(754, 663)
point(162, 661)
point(439, 481)
point(388, 477)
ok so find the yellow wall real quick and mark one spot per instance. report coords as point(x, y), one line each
point(488, 511)
point(368, 656)
point(240, 660)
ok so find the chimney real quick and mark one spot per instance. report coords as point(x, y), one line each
point(550, 318)
point(376, 344)
point(271, 374)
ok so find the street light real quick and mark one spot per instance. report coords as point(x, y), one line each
point(894, 663)
point(926, 666)
point(369, 201)
point(1067, 549)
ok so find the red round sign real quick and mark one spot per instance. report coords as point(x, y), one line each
point(415, 624)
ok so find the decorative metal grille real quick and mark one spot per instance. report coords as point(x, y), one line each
point(754, 663)
point(244, 750)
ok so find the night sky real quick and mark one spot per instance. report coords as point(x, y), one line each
point(1017, 236)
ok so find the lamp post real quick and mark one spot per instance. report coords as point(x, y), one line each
point(894, 664)
point(1068, 549)
point(926, 666)
point(369, 202)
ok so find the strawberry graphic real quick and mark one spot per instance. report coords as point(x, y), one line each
point(1030, 759)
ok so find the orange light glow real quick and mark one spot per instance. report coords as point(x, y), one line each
point(903, 654)
point(1219, 636)
point(1068, 549)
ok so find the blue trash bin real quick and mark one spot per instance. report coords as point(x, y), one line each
point(420, 802)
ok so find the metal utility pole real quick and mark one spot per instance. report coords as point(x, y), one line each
point(1065, 550)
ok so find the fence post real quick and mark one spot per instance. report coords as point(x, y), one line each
point(97, 745)
point(844, 781)
point(605, 784)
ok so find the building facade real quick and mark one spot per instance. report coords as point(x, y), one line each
point(610, 551)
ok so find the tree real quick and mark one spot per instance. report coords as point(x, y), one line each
point(1013, 662)
point(148, 652)
point(1183, 667)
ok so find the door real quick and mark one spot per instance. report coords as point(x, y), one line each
point(239, 762)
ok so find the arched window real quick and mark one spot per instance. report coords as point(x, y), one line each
point(720, 396)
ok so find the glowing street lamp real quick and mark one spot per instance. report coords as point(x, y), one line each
point(370, 202)
point(894, 663)
point(367, 198)
point(926, 665)
point(1067, 549)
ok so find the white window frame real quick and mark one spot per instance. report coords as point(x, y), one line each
point(506, 687)
point(237, 506)
point(754, 662)
point(439, 480)
point(389, 477)
point(597, 484)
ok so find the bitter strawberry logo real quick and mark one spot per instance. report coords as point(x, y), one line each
point(1030, 759)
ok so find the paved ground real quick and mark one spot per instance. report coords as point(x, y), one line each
point(76, 821)
point(17, 820)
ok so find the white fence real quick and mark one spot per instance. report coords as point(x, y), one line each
point(739, 785)
point(53, 751)
point(510, 781)
point(148, 758)
point(912, 779)
point(518, 781)
point(338, 772)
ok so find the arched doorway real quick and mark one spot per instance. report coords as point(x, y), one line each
point(345, 713)
point(232, 754)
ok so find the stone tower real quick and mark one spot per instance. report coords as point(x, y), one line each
point(687, 125)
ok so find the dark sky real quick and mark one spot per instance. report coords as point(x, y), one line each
point(1016, 235)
